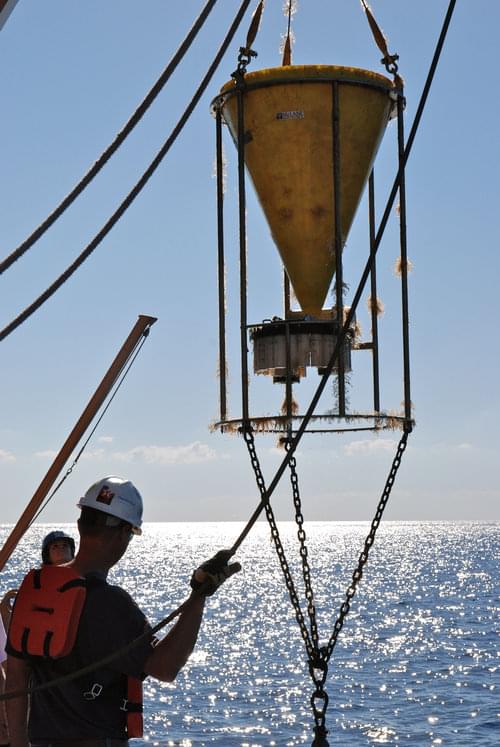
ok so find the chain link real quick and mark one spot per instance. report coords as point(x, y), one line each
point(318, 667)
point(244, 59)
point(370, 539)
point(301, 534)
point(318, 656)
point(250, 442)
point(390, 63)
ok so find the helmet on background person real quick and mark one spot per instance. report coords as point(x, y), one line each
point(116, 497)
point(50, 539)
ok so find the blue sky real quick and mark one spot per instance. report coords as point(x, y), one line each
point(71, 75)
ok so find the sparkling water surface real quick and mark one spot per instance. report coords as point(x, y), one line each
point(416, 663)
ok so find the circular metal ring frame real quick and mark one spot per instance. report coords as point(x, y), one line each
point(287, 424)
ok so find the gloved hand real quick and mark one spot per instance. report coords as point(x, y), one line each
point(214, 572)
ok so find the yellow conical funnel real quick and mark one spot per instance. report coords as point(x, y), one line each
point(288, 125)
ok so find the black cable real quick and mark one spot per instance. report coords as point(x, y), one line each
point(294, 443)
point(29, 310)
point(9, 695)
point(70, 469)
point(113, 147)
point(350, 315)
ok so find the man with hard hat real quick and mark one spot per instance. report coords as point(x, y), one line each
point(101, 708)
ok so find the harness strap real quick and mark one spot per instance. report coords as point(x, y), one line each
point(132, 705)
point(134, 708)
point(24, 641)
point(46, 643)
point(73, 584)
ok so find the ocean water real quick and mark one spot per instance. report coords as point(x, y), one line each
point(417, 662)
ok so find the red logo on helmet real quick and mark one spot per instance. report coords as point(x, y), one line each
point(105, 495)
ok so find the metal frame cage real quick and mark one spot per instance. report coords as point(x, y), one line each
point(289, 333)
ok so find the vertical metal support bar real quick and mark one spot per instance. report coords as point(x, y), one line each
point(286, 294)
point(288, 383)
point(339, 300)
point(404, 263)
point(221, 268)
point(243, 256)
point(373, 295)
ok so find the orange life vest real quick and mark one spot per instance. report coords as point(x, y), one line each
point(45, 620)
point(47, 611)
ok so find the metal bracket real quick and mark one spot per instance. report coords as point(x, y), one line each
point(94, 692)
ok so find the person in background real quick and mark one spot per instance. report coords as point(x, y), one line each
point(57, 548)
point(102, 708)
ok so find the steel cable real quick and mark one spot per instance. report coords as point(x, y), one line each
point(383, 223)
point(102, 662)
point(125, 204)
point(113, 147)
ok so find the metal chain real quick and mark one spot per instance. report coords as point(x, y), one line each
point(390, 63)
point(244, 59)
point(246, 52)
point(358, 573)
point(301, 534)
point(318, 666)
point(250, 442)
point(318, 656)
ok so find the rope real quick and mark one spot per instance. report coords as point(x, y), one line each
point(254, 25)
point(267, 493)
point(70, 469)
point(199, 592)
point(318, 657)
point(290, 9)
point(388, 60)
point(309, 641)
point(294, 442)
point(113, 147)
point(366, 272)
point(29, 310)
point(102, 662)
point(318, 663)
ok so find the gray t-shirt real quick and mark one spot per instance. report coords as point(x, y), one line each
point(110, 619)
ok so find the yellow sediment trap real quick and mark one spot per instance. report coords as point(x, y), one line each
point(289, 153)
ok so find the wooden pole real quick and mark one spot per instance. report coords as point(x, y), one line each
point(140, 328)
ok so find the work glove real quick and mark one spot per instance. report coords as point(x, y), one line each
point(212, 573)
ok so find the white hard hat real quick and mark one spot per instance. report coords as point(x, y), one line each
point(116, 497)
